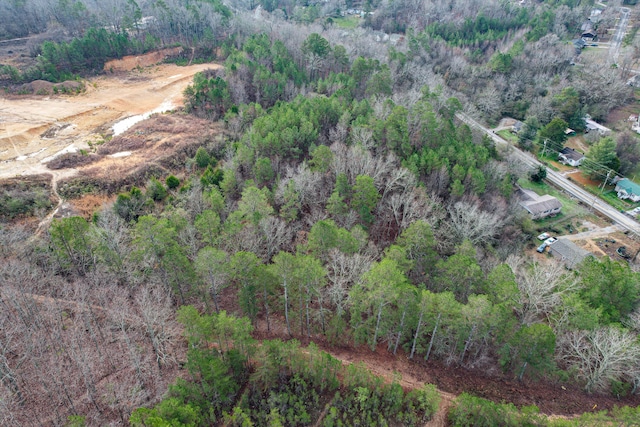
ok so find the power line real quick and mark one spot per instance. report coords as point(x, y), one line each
point(591, 166)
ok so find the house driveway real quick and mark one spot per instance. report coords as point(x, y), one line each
point(594, 233)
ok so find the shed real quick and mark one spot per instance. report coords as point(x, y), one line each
point(568, 252)
point(571, 157)
point(579, 44)
point(628, 189)
point(590, 125)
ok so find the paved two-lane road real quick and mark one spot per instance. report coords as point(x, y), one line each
point(618, 36)
point(560, 181)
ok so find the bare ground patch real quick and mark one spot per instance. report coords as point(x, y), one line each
point(153, 148)
point(30, 125)
point(130, 62)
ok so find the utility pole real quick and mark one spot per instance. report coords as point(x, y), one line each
point(605, 181)
point(545, 146)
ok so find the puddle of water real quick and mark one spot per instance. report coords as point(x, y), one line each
point(28, 156)
point(121, 154)
point(126, 124)
point(70, 149)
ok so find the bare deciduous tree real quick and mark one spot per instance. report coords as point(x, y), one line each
point(542, 287)
point(276, 235)
point(156, 312)
point(600, 356)
point(469, 222)
point(342, 272)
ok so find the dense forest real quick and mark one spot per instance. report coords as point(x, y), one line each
point(345, 203)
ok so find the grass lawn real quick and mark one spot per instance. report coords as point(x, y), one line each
point(577, 143)
point(348, 22)
point(550, 160)
point(570, 207)
point(508, 135)
point(611, 197)
point(570, 218)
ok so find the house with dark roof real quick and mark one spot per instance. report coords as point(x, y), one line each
point(579, 44)
point(587, 32)
point(628, 189)
point(568, 252)
point(538, 206)
point(571, 157)
point(517, 126)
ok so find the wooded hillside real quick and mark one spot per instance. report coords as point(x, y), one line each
point(344, 203)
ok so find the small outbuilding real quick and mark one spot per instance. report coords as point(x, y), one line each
point(571, 157)
point(578, 44)
point(569, 253)
point(591, 126)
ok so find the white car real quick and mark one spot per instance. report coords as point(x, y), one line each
point(550, 241)
point(543, 236)
point(634, 212)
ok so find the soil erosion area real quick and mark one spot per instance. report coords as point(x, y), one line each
point(34, 129)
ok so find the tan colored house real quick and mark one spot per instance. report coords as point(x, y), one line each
point(539, 206)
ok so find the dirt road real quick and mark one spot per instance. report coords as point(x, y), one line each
point(34, 129)
point(595, 233)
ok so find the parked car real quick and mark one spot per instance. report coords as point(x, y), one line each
point(541, 248)
point(543, 236)
point(550, 241)
point(633, 213)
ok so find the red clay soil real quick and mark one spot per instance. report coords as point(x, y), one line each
point(552, 398)
point(584, 180)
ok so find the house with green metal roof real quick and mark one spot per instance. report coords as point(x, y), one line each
point(628, 189)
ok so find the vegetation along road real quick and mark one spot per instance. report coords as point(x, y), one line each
point(562, 182)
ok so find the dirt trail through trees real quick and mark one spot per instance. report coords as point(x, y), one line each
point(554, 399)
point(399, 371)
point(56, 176)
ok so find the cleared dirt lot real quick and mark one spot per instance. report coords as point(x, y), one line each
point(34, 129)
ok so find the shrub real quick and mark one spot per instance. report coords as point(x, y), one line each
point(129, 206)
point(202, 158)
point(16, 202)
point(172, 182)
point(155, 190)
point(211, 177)
point(469, 411)
point(539, 174)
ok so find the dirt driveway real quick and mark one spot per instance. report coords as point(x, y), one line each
point(34, 128)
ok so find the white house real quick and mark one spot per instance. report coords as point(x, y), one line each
point(628, 189)
point(571, 157)
point(590, 126)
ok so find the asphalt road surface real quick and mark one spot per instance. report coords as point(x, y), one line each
point(561, 182)
point(621, 29)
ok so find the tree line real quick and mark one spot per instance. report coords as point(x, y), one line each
point(287, 384)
